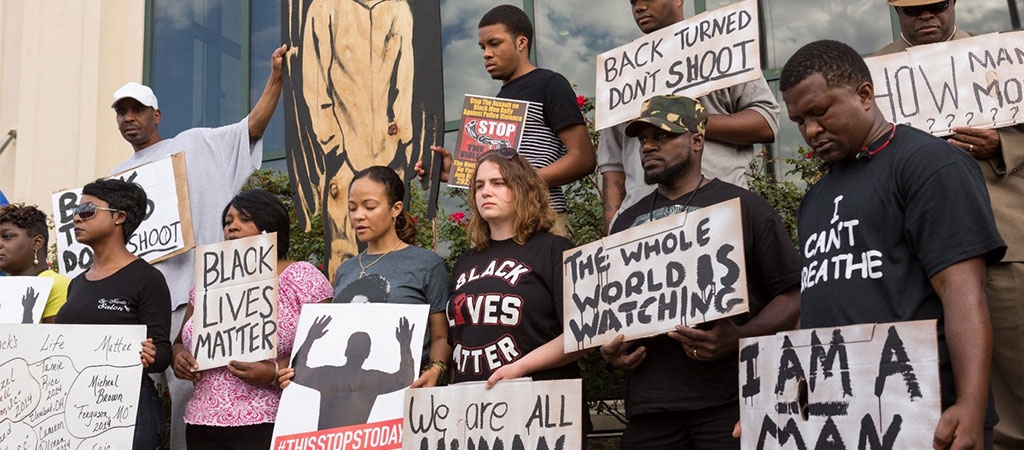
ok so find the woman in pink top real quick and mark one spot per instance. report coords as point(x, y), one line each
point(234, 407)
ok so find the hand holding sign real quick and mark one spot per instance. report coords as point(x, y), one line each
point(711, 345)
point(259, 373)
point(185, 365)
point(616, 353)
point(979, 142)
point(148, 353)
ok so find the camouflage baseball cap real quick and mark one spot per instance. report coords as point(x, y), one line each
point(672, 113)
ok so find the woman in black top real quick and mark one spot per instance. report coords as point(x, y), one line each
point(120, 288)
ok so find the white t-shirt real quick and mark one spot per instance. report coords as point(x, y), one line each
point(217, 161)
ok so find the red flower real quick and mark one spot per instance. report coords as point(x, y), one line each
point(457, 217)
point(581, 100)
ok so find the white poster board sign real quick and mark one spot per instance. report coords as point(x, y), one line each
point(860, 386)
point(687, 268)
point(710, 51)
point(353, 363)
point(69, 386)
point(235, 314)
point(23, 299)
point(513, 414)
point(165, 231)
point(976, 82)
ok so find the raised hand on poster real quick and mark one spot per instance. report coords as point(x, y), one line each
point(403, 332)
point(28, 301)
point(718, 342)
point(617, 353)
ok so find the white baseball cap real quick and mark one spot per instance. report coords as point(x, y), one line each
point(143, 94)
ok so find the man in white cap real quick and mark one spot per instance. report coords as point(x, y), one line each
point(218, 161)
point(1000, 154)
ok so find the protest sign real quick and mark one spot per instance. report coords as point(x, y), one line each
point(710, 51)
point(69, 386)
point(513, 414)
point(23, 299)
point(165, 231)
point(487, 124)
point(235, 313)
point(687, 268)
point(354, 361)
point(975, 82)
point(859, 386)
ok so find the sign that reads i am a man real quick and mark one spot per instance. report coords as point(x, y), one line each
point(710, 51)
point(687, 268)
point(869, 386)
point(235, 312)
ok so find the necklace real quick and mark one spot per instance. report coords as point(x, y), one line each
point(362, 268)
point(686, 212)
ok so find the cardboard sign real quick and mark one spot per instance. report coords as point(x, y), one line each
point(860, 386)
point(976, 82)
point(69, 386)
point(513, 414)
point(354, 361)
point(23, 299)
point(235, 314)
point(487, 124)
point(687, 268)
point(166, 230)
point(710, 51)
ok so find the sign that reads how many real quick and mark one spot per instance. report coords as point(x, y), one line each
point(713, 50)
point(487, 124)
point(165, 231)
point(235, 312)
point(687, 268)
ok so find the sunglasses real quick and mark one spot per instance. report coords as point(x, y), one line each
point(934, 8)
point(503, 153)
point(88, 209)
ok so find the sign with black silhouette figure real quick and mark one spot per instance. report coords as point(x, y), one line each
point(487, 124)
point(352, 365)
point(513, 414)
point(235, 314)
point(362, 87)
point(23, 299)
point(870, 386)
point(166, 230)
point(687, 268)
point(974, 82)
point(69, 386)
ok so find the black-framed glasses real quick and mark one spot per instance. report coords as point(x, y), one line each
point(933, 8)
point(88, 209)
point(503, 153)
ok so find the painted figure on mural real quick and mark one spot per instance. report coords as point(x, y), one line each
point(355, 99)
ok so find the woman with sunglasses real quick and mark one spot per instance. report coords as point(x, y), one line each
point(23, 244)
point(122, 289)
point(506, 300)
point(234, 407)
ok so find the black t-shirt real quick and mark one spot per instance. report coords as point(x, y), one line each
point(873, 234)
point(552, 108)
point(135, 295)
point(506, 301)
point(667, 380)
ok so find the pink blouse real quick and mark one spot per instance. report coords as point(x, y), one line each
point(222, 399)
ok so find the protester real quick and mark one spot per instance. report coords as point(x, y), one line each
point(738, 117)
point(122, 289)
point(234, 407)
point(915, 227)
point(1000, 155)
point(700, 412)
point(410, 274)
point(555, 139)
point(23, 244)
point(218, 162)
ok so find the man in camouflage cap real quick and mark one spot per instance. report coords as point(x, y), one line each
point(685, 395)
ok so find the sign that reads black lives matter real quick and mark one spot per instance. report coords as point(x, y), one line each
point(976, 82)
point(870, 386)
point(235, 312)
point(687, 268)
point(514, 414)
point(165, 231)
point(710, 51)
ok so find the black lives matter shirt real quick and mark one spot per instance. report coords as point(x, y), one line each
point(670, 381)
point(552, 108)
point(506, 301)
point(135, 295)
point(874, 232)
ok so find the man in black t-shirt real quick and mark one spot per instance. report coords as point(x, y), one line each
point(681, 388)
point(899, 228)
